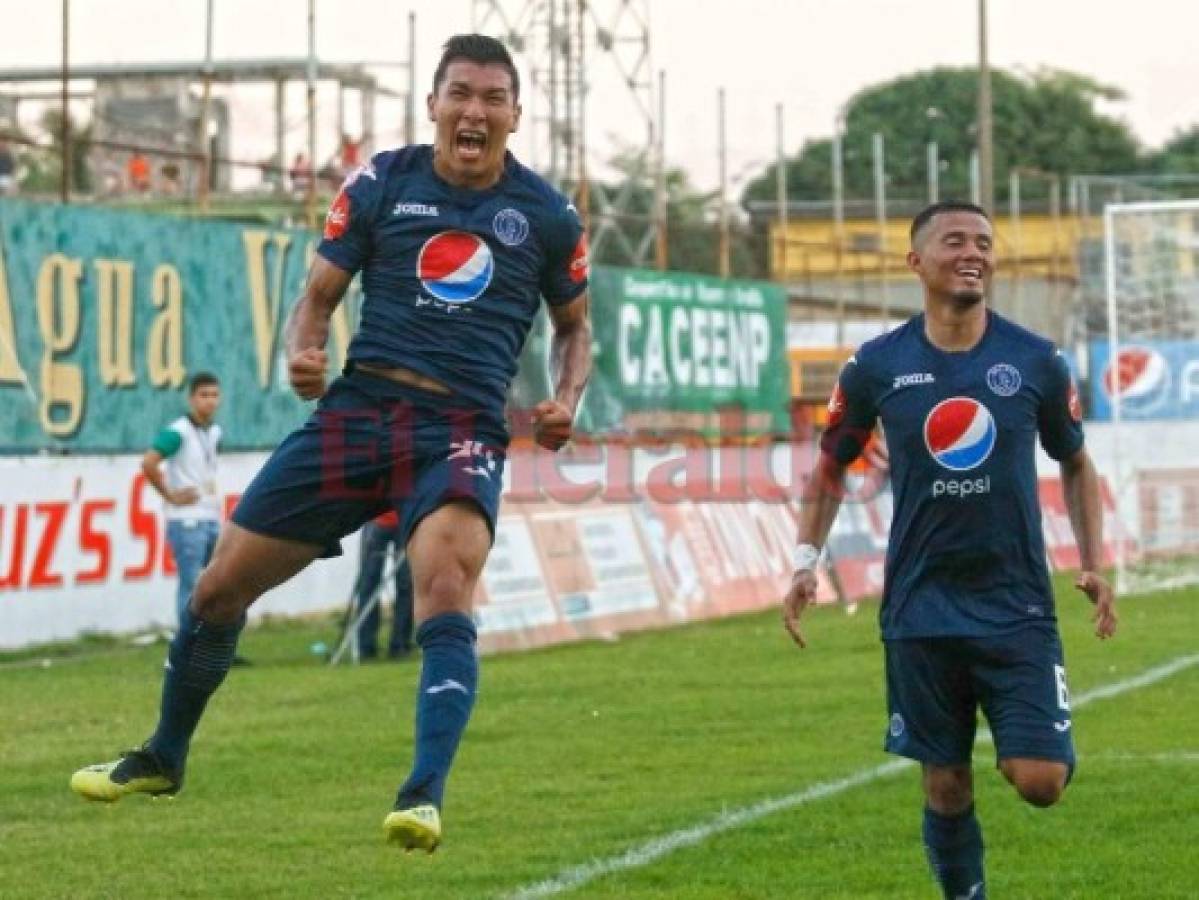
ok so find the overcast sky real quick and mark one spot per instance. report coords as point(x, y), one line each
point(811, 55)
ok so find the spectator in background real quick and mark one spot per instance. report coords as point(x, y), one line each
point(170, 178)
point(300, 174)
point(8, 169)
point(181, 465)
point(138, 170)
point(378, 536)
point(349, 155)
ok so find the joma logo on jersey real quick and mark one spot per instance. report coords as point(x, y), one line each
point(902, 381)
point(414, 209)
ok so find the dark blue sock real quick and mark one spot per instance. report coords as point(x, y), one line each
point(197, 662)
point(449, 677)
point(954, 845)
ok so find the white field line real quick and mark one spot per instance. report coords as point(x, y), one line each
point(1180, 756)
point(656, 848)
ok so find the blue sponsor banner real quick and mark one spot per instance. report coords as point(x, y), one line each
point(1156, 380)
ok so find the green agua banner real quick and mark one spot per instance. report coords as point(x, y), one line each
point(104, 315)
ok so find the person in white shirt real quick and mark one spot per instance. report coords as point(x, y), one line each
point(181, 465)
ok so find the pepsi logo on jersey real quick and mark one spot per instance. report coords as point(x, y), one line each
point(455, 266)
point(960, 434)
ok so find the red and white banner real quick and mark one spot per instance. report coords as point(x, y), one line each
point(83, 549)
point(82, 545)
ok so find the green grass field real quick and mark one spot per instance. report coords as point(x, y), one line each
point(589, 752)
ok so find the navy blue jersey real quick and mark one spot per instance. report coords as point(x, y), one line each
point(966, 554)
point(452, 277)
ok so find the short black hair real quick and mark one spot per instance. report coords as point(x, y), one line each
point(927, 214)
point(478, 48)
point(201, 379)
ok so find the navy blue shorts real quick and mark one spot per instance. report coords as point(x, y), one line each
point(935, 687)
point(372, 445)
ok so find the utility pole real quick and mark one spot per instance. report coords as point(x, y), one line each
point(410, 108)
point(781, 191)
point(934, 172)
point(202, 141)
point(579, 68)
point(1017, 240)
point(880, 211)
point(725, 267)
point(310, 198)
point(67, 162)
point(661, 243)
point(839, 222)
point(986, 165)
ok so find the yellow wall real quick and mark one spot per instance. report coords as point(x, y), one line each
point(1042, 248)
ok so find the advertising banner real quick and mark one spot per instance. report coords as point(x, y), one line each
point(104, 315)
point(674, 349)
point(82, 549)
point(1155, 380)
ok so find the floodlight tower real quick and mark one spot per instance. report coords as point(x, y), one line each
point(570, 48)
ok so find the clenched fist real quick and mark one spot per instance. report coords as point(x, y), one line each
point(306, 372)
point(552, 423)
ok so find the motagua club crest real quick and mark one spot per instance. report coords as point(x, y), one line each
point(1003, 379)
point(510, 226)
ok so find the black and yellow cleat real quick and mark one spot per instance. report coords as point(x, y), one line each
point(415, 828)
point(136, 772)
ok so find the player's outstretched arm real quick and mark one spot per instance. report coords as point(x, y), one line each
point(308, 327)
point(1080, 485)
point(570, 367)
point(820, 501)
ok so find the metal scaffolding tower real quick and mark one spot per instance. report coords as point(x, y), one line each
point(570, 50)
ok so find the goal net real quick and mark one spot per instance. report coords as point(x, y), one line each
point(1145, 380)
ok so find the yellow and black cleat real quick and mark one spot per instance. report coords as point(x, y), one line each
point(415, 828)
point(136, 772)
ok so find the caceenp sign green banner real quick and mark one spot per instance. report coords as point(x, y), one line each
point(680, 351)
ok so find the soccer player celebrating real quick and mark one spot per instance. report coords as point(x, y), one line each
point(456, 243)
point(967, 612)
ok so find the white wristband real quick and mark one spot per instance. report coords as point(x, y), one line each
point(804, 557)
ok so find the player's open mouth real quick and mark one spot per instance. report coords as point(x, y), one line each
point(470, 144)
point(970, 273)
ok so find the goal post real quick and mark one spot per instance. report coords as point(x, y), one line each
point(1147, 383)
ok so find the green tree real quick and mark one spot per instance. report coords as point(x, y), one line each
point(1179, 156)
point(1046, 120)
